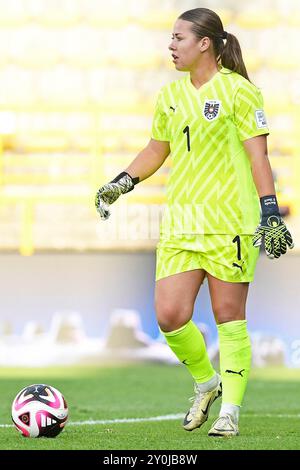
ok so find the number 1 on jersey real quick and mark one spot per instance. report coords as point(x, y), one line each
point(237, 240)
point(186, 131)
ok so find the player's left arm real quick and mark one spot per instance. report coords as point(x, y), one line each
point(272, 229)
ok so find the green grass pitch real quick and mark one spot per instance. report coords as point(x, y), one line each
point(269, 417)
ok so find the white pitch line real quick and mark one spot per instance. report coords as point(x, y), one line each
point(157, 418)
point(115, 421)
point(126, 420)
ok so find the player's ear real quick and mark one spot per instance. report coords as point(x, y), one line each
point(204, 44)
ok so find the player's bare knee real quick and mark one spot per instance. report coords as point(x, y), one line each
point(170, 317)
point(227, 311)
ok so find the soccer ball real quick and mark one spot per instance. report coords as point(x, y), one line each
point(39, 410)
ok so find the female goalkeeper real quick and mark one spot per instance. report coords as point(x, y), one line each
point(221, 205)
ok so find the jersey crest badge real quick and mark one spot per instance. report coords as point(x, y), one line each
point(211, 109)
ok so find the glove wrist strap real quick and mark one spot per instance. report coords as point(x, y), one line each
point(269, 205)
point(134, 180)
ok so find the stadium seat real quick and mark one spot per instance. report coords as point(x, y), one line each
point(293, 19)
point(61, 86)
point(37, 58)
point(83, 48)
point(13, 14)
point(35, 142)
point(16, 88)
point(56, 14)
point(226, 15)
point(106, 21)
point(258, 19)
point(287, 62)
point(139, 61)
point(252, 60)
point(158, 20)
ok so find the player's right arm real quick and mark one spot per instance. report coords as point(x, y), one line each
point(147, 162)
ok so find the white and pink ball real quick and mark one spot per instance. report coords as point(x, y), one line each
point(39, 410)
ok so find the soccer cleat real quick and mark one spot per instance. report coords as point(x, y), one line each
point(224, 427)
point(202, 401)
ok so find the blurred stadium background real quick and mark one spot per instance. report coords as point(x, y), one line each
point(78, 84)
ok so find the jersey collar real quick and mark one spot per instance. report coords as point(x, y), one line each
point(206, 84)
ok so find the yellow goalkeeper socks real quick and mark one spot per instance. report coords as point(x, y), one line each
point(188, 345)
point(235, 360)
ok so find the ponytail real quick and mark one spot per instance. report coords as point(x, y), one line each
point(207, 23)
point(231, 56)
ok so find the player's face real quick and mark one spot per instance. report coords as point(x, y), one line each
point(186, 48)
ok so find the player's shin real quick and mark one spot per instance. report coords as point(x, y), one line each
point(188, 345)
point(235, 360)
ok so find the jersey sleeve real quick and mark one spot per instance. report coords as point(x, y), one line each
point(160, 124)
point(249, 115)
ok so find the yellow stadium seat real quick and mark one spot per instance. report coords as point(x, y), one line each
point(139, 60)
point(17, 98)
point(44, 179)
point(271, 145)
point(37, 142)
point(89, 59)
point(82, 141)
point(135, 143)
point(120, 100)
point(293, 19)
point(257, 19)
point(37, 58)
point(13, 14)
point(83, 48)
point(63, 86)
point(5, 48)
point(158, 20)
point(109, 144)
point(105, 18)
point(56, 14)
point(156, 180)
point(276, 103)
point(288, 146)
point(55, 20)
point(225, 15)
point(252, 60)
point(283, 62)
point(3, 61)
point(152, 198)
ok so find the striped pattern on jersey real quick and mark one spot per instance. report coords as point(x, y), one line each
point(210, 188)
point(216, 254)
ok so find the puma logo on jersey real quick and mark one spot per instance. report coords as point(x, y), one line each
point(235, 265)
point(211, 109)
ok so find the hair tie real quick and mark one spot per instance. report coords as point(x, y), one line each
point(224, 35)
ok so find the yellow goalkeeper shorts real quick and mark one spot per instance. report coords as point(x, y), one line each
point(226, 257)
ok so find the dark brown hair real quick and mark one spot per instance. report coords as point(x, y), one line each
point(206, 23)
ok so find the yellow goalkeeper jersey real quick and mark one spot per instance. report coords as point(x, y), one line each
point(210, 189)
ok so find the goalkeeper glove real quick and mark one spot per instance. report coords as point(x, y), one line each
point(110, 192)
point(272, 229)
